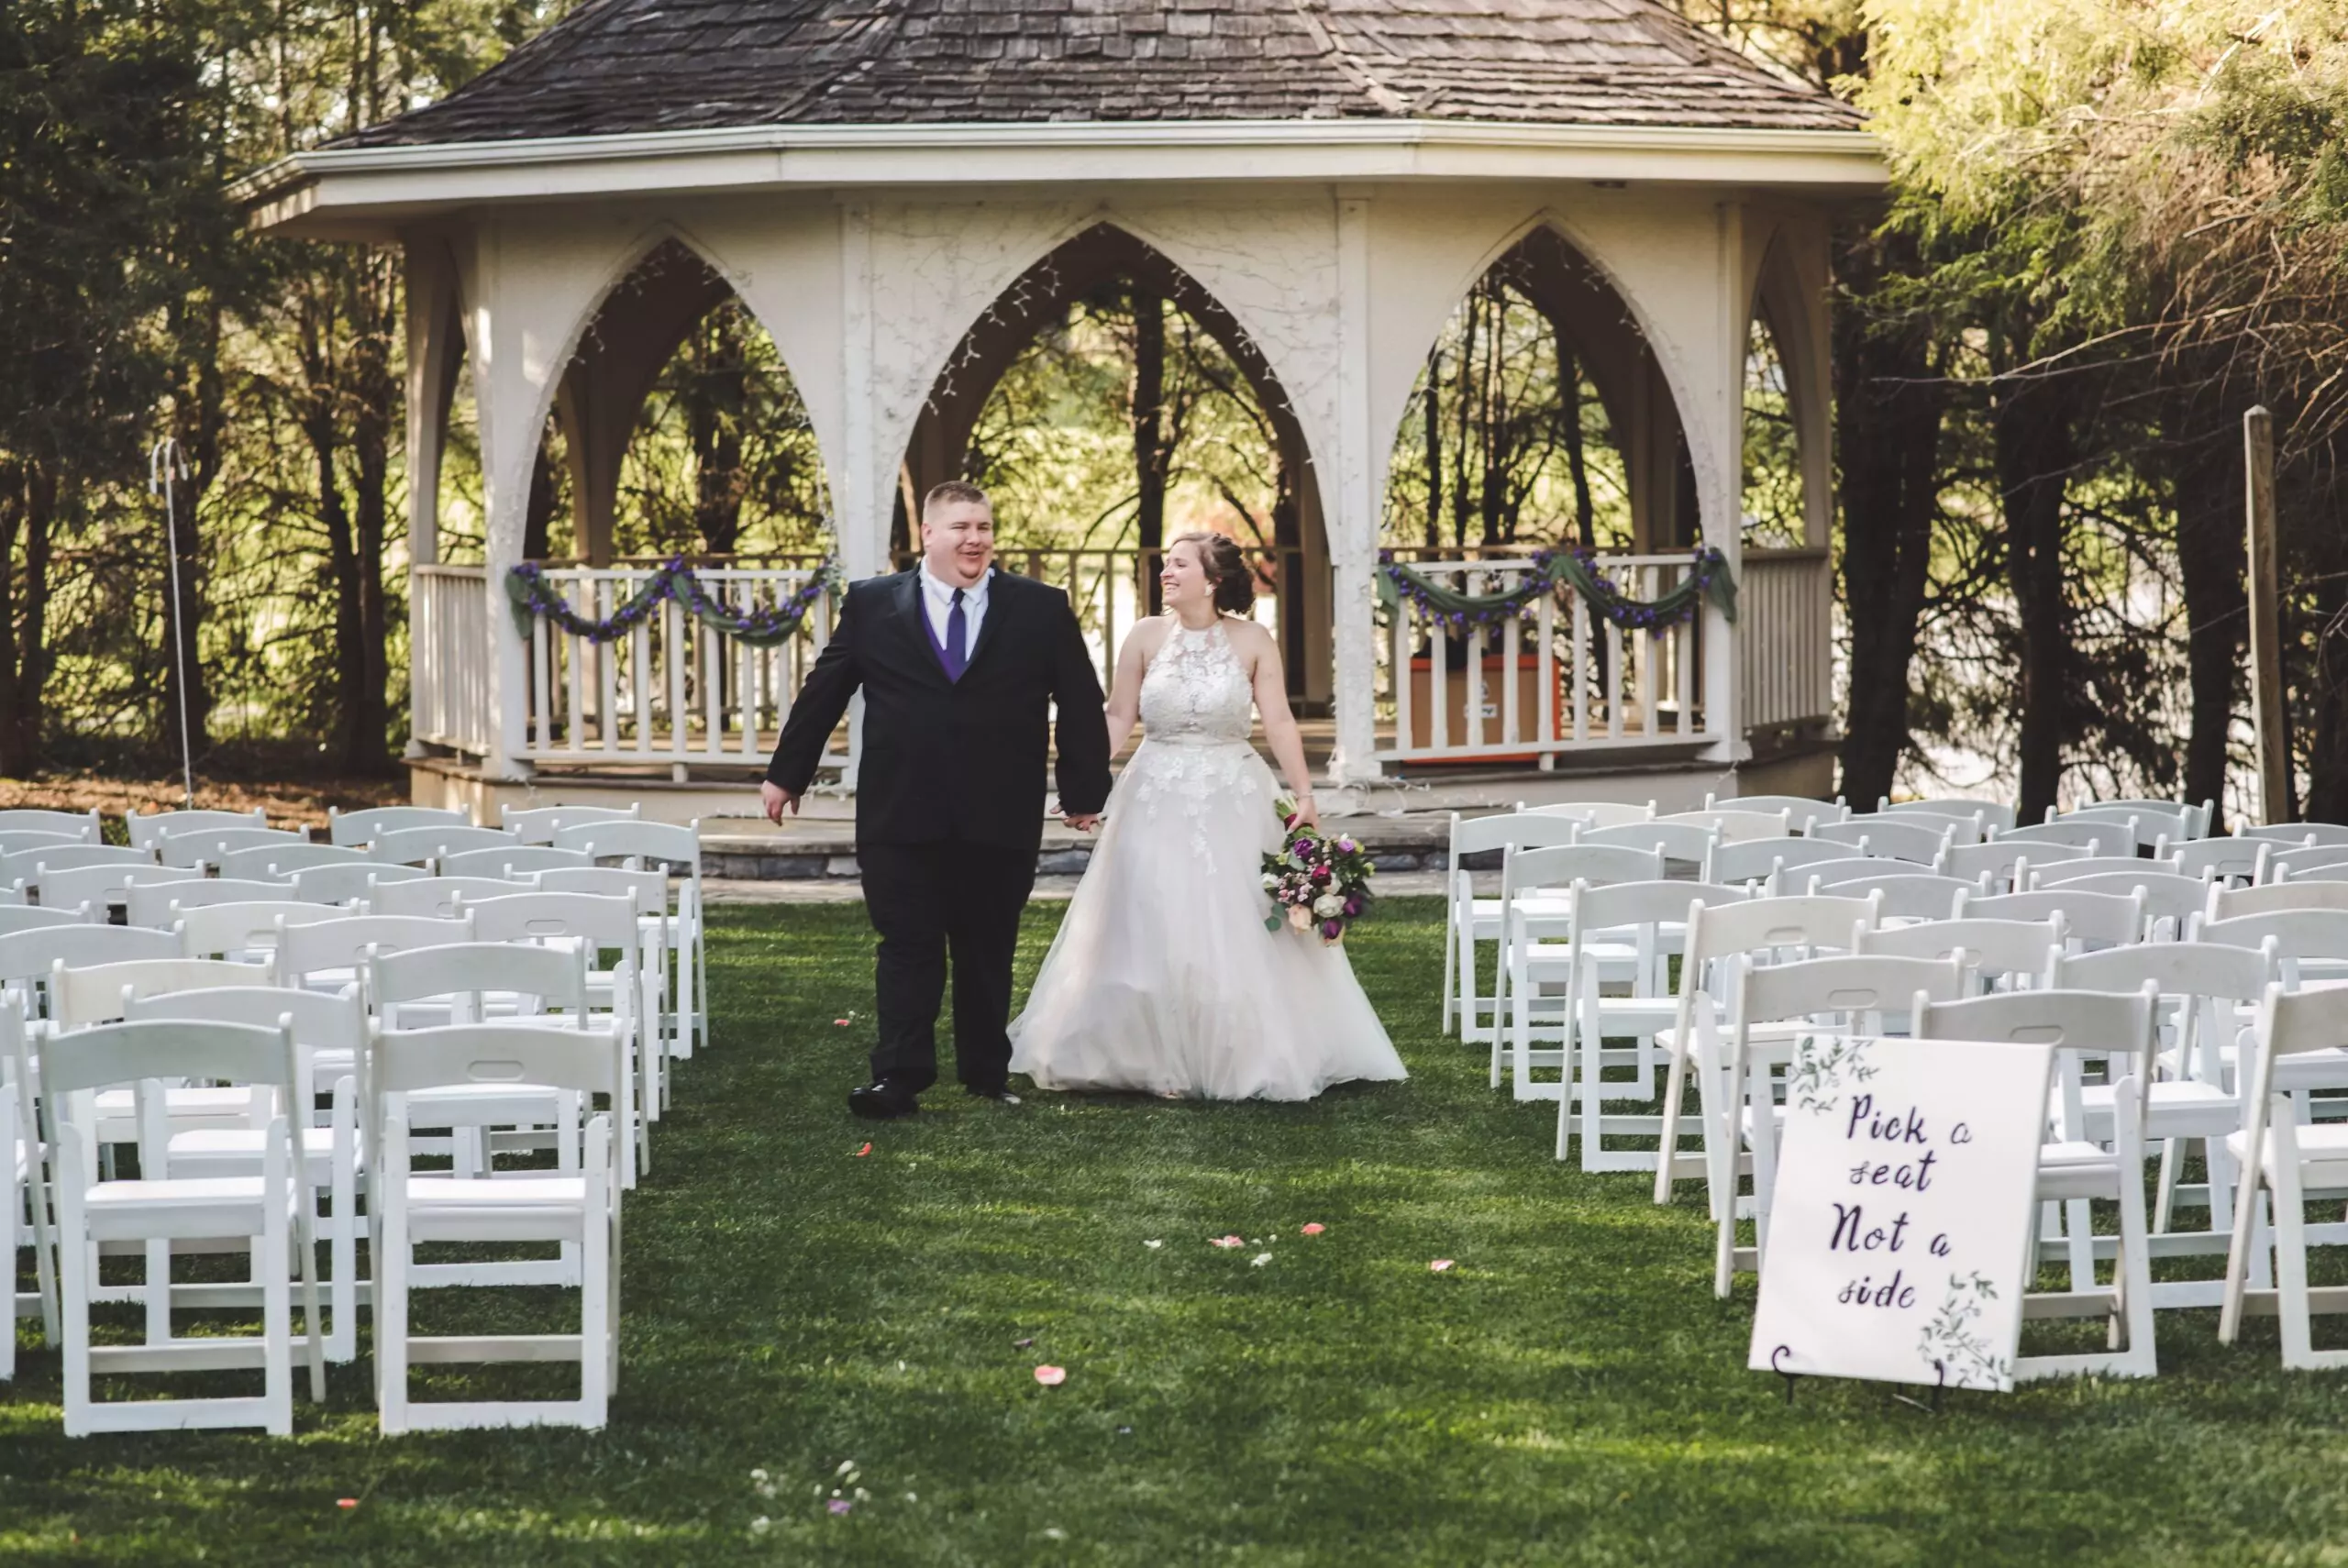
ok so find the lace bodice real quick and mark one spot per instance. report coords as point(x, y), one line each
point(1196, 690)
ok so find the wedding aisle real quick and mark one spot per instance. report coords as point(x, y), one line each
point(805, 1317)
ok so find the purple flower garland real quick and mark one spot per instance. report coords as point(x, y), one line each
point(534, 597)
point(1463, 613)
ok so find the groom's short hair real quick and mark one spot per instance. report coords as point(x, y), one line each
point(954, 492)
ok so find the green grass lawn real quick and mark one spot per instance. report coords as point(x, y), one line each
point(1569, 1392)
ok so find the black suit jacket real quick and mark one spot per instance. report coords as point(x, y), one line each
point(954, 761)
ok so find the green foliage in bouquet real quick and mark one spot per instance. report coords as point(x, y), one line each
point(1318, 882)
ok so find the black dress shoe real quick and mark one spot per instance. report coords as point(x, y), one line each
point(883, 1101)
point(1000, 1093)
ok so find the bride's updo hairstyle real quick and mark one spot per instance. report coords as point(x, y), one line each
point(1234, 585)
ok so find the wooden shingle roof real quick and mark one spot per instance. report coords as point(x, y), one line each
point(622, 66)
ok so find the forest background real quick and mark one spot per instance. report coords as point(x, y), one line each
point(2113, 227)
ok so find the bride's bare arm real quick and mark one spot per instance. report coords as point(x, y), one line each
point(1279, 724)
point(1124, 711)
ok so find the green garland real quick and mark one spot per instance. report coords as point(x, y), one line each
point(1459, 613)
point(534, 597)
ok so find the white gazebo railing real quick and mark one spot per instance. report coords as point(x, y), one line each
point(1565, 679)
point(449, 692)
point(1785, 610)
point(669, 690)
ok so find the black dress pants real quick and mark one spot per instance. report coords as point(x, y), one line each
point(925, 900)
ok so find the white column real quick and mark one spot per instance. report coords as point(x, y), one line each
point(1719, 483)
point(864, 494)
point(1352, 527)
point(434, 342)
point(511, 430)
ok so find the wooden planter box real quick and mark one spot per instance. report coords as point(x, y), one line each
point(1455, 705)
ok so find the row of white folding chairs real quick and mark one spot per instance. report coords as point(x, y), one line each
point(243, 1191)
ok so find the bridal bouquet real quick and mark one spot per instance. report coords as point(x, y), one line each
point(1317, 882)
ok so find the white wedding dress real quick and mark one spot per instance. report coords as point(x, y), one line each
point(1163, 978)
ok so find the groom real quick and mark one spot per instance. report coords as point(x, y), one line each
point(959, 664)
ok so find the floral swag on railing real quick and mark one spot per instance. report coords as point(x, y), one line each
point(1460, 614)
point(762, 628)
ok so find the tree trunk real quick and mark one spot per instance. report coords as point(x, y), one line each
point(1431, 411)
point(2030, 428)
point(1577, 458)
point(1888, 404)
point(21, 723)
point(2208, 493)
point(362, 663)
point(715, 415)
point(1148, 414)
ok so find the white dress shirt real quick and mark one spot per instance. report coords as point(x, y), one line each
point(937, 604)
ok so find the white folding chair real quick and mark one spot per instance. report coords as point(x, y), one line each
point(279, 862)
point(678, 849)
point(152, 903)
point(2156, 820)
point(1468, 920)
point(2298, 833)
point(29, 865)
point(18, 841)
point(349, 884)
point(1801, 811)
point(2073, 1169)
point(2003, 860)
point(538, 824)
point(2053, 874)
point(16, 1202)
point(2228, 860)
point(1767, 860)
point(2307, 944)
point(1772, 1008)
point(2295, 1045)
point(1535, 907)
point(415, 845)
point(595, 924)
point(1890, 838)
point(435, 896)
point(83, 827)
point(210, 845)
point(27, 959)
point(349, 828)
point(1996, 815)
point(329, 1033)
point(1781, 928)
point(510, 861)
point(2169, 900)
point(1652, 917)
point(1684, 841)
point(2092, 835)
point(2194, 1093)
point(1962, 827)
point(1915, 895)
point(327, 954)
point(262, 1213)
point(579, 1209)
point(2231, 904)
point(147, 829)
point(30, 917)
point(1999, 955)
point(2285, 861)
point(244, 932)
point(2090, 919)
point(1594, 814)
point(1729, 825)
point(96, 891)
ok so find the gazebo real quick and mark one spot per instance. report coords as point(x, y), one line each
point(900, 194)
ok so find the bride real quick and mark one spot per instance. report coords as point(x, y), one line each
point(1163, 978)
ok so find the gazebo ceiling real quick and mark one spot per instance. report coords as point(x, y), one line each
point(622, 67)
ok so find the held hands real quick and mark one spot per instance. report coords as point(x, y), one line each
point(774, 800)
point(1082, 822)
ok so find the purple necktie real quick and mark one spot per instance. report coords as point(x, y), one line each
point(958, 639)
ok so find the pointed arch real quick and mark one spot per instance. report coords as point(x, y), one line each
point(1585, 325)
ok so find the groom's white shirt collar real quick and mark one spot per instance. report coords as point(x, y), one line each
point(937, 602)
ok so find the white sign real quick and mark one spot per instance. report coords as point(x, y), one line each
point(1900, 1215)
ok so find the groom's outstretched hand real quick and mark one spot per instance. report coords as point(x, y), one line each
point(775, 799)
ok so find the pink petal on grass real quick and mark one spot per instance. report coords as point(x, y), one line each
point(1314, 1229)
point(840, 1505)
point(346, 1502)
point(1225, 1242)
point(1052, 1376)
point(1440, 1265)
point(839, 1023)
point(866, 1150)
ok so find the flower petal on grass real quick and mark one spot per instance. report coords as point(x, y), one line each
point(1226, 1242)
point(840, 1505)
point(1052, 1376)
point(1153, 1246)
point(866, 1150)
point(1440, 1265)
point(1315, 1228)
point(839, 1023)
point(1260, 1260)
point(346, 1502)
point(1021, 1344)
